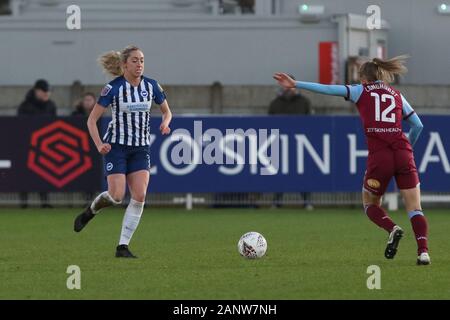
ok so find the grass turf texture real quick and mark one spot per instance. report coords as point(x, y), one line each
point(320, 254)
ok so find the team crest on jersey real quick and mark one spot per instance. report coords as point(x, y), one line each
point(144, 93)
point(106, 90)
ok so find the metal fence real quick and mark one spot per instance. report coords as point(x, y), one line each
point(220, 200)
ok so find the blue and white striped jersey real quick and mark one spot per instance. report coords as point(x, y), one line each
point(130, 124)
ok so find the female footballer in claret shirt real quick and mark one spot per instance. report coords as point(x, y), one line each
point(125, 145)
point(382, 109)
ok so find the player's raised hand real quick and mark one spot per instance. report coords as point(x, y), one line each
point(164, 129)
point(284, 80)
point(104, 148)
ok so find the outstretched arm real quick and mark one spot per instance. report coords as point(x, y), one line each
point(334, 90)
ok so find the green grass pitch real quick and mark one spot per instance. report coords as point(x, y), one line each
point(320, 254)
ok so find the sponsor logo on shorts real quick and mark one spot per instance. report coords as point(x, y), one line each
point(109, 166)
point(373, 183)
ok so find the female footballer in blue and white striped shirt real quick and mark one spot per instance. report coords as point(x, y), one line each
point(125, 146)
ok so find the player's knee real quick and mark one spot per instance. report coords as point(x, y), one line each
point(373, 202)
point(140, 197)
point(371, 199)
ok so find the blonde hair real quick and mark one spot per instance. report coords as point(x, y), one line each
point(384, 70)
point(112, 61)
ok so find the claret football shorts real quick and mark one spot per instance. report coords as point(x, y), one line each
point(386, 163)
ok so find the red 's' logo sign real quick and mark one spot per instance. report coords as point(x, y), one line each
point(59, 153)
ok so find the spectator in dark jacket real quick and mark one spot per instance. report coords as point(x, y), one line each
point(85, 105)
point(291, 102)
point(37, 103)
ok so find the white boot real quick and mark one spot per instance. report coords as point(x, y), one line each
point(423, 259)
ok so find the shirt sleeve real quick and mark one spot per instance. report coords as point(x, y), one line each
point(106, 96)
point(354, 92)
point(332, 90)
point(416, 128)
point(158, 93)
point(414, 121)
point(407, 110)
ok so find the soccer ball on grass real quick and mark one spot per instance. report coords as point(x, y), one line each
point(252, 245)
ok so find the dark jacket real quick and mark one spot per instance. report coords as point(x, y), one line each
point(295, 104)
point(33, 106)
point(79, 111)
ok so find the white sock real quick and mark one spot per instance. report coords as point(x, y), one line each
point(131, 219)
point(103, 200)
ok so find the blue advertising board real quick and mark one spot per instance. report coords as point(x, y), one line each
point(280, 154)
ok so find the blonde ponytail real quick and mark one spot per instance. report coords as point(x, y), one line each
point(111, 61)
point(384, 70)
